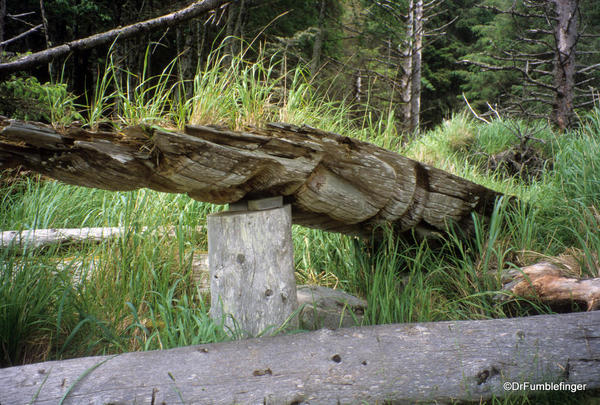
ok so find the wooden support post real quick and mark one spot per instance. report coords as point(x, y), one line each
point(251, 263)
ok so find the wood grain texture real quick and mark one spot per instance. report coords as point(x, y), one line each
point(552, 285)
point(251, 260)
point(441, 361)
point(333, 182)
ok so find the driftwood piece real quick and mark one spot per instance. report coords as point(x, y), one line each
point(549, 283)
point(333, 182)
point(45, 237)
point(251, 260)
point(36, 238)
point(406, 363)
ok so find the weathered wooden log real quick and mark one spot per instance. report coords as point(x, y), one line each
point(550, 284)
point(45, 237)
point(407, 363)
point(37, 238)
point(251, 260)
point(333, 182)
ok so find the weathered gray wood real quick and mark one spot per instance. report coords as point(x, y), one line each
point(319, 307)
point(255, 205)
point(36, 238)
point(333, 182)
point(45, 237)
point(442, 361)
point(251, 263)
point(322, 307)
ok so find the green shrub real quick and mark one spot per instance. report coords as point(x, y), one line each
point(27, 99)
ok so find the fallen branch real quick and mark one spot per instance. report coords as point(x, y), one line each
point(43, 57)
point(549, 284)
point(21, 35)
point(407, 363)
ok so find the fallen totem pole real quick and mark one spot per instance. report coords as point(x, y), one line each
point(436, 362)
point(332, 182)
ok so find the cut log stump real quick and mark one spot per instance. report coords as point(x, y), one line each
point(251, 262)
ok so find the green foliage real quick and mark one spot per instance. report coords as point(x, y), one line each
point(28, 99)
point(500, 43)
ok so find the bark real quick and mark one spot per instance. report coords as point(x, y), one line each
point(104, 38)
point(333, 182)
point(406, 66)
point(46, 35)
point(417, 55)
point(239, 30)
point(318, 44)
point(186, 65)
point(2, 23)
point(566, 37)
point(549, 284)
point(231, 11)
point(441, 362)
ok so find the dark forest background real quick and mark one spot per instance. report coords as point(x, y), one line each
point(422, 60)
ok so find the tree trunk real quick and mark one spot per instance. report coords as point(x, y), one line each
point(333, 182)
point(417, 55)
point(186, 65)
point(441, 362)
point(566, 37)
point(407, 68)
point(37, 58)
point(46, 35)
point(200, 36)
point(317, 45)
point(239, 29)
point(230, 28)
point(2, 24)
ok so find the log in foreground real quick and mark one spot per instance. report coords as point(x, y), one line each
point(442, 361)
point(333, 182)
